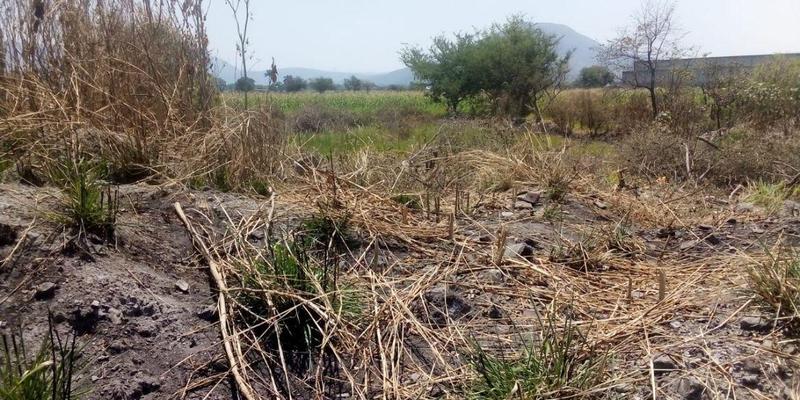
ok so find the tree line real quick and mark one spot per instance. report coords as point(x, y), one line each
point(291, 83)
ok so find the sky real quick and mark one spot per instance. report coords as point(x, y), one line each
point(366, 35)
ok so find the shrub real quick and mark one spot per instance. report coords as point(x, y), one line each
point(294, 83)
point(595, 76)
point(772, 96)
point(322, 84)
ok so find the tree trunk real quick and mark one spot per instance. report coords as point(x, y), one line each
point(652, 89)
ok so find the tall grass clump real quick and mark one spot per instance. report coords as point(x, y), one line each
point(776, 280)
point(89, 206)
point(48, 373)
point(558, 363)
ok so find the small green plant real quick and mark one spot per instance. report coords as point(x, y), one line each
point(49, 374)
point(557, 189)
point(552, 213)
point(559, 363)
point(776, 281)
point(768, 195)
point(89, 204)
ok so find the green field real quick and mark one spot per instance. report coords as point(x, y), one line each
point(359, 103)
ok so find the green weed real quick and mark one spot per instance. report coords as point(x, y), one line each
point(559, 363)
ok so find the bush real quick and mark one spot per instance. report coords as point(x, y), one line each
point(595, 76)
point(322, 85)
point(772, 96)
point(294, 84)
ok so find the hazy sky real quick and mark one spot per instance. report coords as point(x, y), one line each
point(366, 35)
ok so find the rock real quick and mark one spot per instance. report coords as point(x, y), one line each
point(45, 291)
point(601, 205)
point(256, 236)
point(114, 315)
point(8, 235)
point(495, 313)
point(493, 275)
point(713, 240)
point(522, 250)
point(790, 209)
point(664, 364)
point(531, 198)
point(689, 388)
point(208, 313)
point(506, 214)
point(688, 244)
point(95, 304)
point(443, 305)
point(705, 227)
point(750, 380)
point(751, 366)
point(757, 324)
point(182, 285)
point(675, 324)
point(521, 205)
point(745, 207)
point(147, 385)
point(757, 230)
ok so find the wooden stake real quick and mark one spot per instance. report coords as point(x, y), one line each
point(662, 285)
point(500, 245)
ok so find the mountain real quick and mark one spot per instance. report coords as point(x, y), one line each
point(584, 50)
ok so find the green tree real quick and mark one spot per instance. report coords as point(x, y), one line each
point(595, 76)
point(245, 84)
point(294, 84)
point(519, 66)
point(322, 84)
point(353, 83)
point(514, 64)
point(446, 68)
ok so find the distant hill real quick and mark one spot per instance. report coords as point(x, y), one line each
point(584, 48)
point(583, 55)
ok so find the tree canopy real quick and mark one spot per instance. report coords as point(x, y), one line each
point(322, 84)
point(595, 76)
point(294, 84)
point(515, 64)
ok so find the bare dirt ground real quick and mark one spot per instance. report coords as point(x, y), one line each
point(656, 278)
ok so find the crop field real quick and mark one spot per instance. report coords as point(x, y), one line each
point(359, 103)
